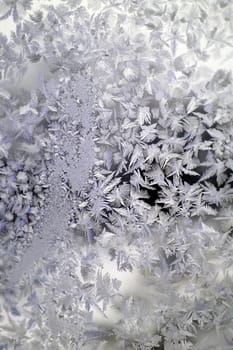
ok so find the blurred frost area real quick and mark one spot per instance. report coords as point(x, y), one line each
point(30, 79)
point(133, 283)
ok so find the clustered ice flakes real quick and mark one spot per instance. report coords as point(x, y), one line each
point(121, 150)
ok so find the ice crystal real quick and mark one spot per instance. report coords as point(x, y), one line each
point(119, 148)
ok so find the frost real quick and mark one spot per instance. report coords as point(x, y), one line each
point(118, 149)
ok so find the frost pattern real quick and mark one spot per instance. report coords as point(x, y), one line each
point(67, 172)
point(156, 159)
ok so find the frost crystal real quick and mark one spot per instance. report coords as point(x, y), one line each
point(116, 149)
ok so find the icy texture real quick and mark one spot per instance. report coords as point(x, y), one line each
point(66, 170)
point(121, 150)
